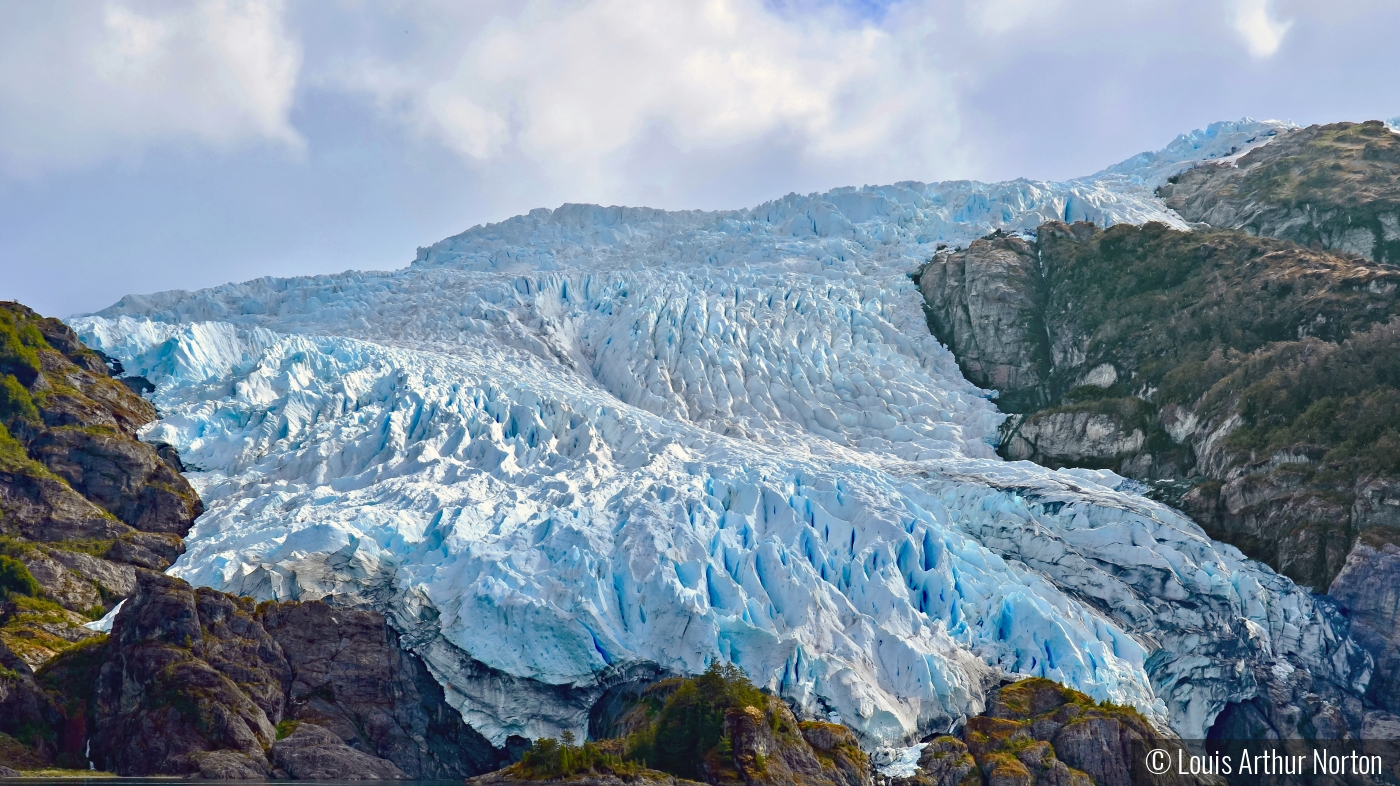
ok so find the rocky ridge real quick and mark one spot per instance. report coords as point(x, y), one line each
point(83, 502)
point(1335, 186)
point(716, 728)
point(1248, 380)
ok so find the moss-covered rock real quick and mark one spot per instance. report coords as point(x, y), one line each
point(1039, 733)
point(68, 436)
point(716, 728)
point(1336, 186)
point(82, 500)
point(1250, 381)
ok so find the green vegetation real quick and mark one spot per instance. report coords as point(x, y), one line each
point(13, 457)
point(1154, 301)
point(1343, 398)
point(93, 548)
point(552, 759)
point(15, 579)
point(682, 724)
point(71, 676)
point(287, 728)
point(1329, 166)
point(19, 345)
point(689, 724)
point(1335, 186)
point(76, 772)
point(1026, 700)
point(15, 403)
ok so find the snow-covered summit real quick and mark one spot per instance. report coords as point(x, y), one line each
point(591, 445)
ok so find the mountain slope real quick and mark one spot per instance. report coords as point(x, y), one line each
point(83, 502)
point(593, 446)
point(1247, 378)
point(1335, 186)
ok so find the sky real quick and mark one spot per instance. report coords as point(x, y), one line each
point(151, 145)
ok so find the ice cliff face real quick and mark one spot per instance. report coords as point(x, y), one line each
point(590, 445)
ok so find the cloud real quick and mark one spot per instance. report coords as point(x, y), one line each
point(578, 88)
point(81, 81)
point(1262, 33)
point(1001, 16)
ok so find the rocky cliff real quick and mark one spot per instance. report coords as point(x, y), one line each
point(83, 502)
point(1335, 186)
point(1249, 381)
point(197, 682)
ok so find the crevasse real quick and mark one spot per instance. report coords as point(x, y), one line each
point(593, 445)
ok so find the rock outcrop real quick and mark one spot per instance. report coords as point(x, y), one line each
point(1038, 733)
point(314, 753)
point(1369, 587)
point(1336, 186)
point(769, 746)
point(193, 681)
point(187, 672)
point(1247, 380)
point(350, 675)
point(27, 716)
point(83, 502)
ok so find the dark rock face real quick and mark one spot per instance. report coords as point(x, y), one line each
point(1337, 186)
point(1369, 587)
point(125, 477)
point(988, 303)
point(172, 687)
point(25, 710)
point(314, 753)
point(195, 681)
point(351, 676)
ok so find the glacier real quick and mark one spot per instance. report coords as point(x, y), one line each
point(591, 446)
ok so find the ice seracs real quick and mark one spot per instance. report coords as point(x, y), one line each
point(593, 445)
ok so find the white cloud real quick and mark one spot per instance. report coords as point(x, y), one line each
point(577, 87)
point(81, 81)
point(1001, 16)
point(1261, 31)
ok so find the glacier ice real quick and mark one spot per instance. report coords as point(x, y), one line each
point(898, 762)
point(595, 444)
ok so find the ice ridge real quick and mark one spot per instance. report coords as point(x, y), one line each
point(591, 445)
